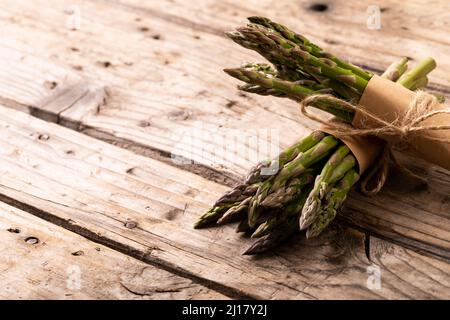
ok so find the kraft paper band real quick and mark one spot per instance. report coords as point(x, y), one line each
point(390, 101)
point(365, 149)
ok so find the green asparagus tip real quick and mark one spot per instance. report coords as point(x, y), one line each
point(199, 224)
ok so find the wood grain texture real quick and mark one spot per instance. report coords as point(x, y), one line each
point(43, 261)
point(407, 267)
point(145, 209)
point(162, 83)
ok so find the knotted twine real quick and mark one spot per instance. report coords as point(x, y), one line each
point(396, 133)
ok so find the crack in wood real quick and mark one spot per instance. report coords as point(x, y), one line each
point(367, 245)
point(432, 251)
point(152, 291)
point(224, 178)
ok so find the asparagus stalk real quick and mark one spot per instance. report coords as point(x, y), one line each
point(278, 59)
point(230, 203)
point(312, 48)
point(346, 164)
point(315, 66)
point(334, 200)
point(419, 83)
point(396, 69)
point(211, 216)
point(243, 226)
point(231, 200)
point(289, 90)
point(280, 197)
point(423, 68)
point(291, 209)
point(305, 160)
point(234, 212)
point(292, 169)
point(293, 90)
point(284, 157)
point(298, 92)
point(274, 238)
point(299, 56)
point(321, 187)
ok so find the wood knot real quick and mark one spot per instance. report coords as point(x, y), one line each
point(318, 7)
point(43, 137)
point(32, 240)
point(130, 224)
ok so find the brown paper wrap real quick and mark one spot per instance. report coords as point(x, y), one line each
point(365, 149)
point(390, 101)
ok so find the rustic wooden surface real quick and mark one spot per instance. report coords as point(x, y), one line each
point(147, 77)
point(43, 261)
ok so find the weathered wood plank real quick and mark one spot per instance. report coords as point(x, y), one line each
point(407, 267)
point(339, 26)
point(158, 85)
point(131, 204)
point(43, 261)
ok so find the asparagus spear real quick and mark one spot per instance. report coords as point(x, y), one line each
point(280, 197)
point(318, 67)
point(291, 209)
point(298, 92)
point(423, 68)
point(228, 204)
point(277, 49)
point(312, 48)
point(284, 157)
point(231, 199)
point(274, 238)
point(211, 216)
point(349, 162)
point(237, 194)
point(234, 211)
point(263, 47)
point(293, 90)
point(321, 187)
point(305, 160)
point(292, 169)
point(396, 69)
point(334, 200)
point(419, 83)
point(288, 89)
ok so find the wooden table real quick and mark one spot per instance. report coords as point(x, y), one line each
point(97, 96)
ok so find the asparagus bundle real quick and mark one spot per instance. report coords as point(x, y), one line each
point(315, 174)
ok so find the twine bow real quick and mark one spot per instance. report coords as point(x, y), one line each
point(397, 132)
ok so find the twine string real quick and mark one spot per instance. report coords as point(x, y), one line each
point(397, 132)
